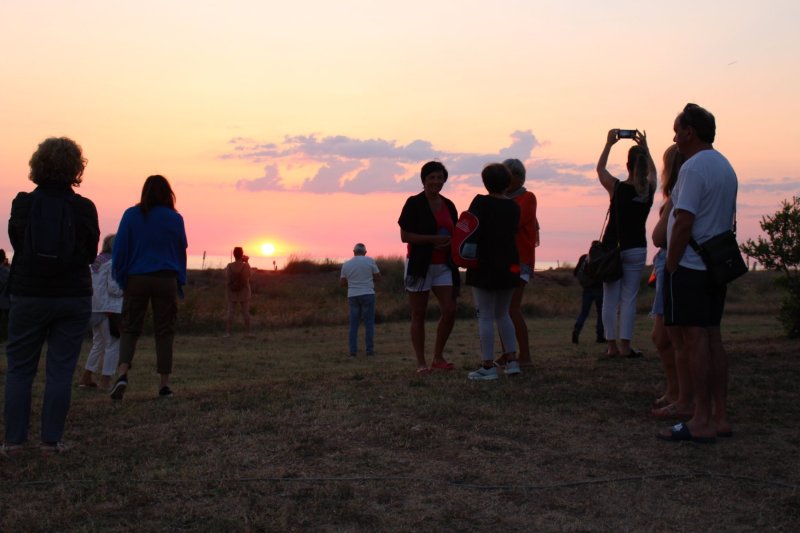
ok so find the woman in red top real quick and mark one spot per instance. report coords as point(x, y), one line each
point(426, 224)
point(527, 241)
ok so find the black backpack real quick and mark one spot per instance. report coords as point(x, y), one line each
point(50, 234)
point(236, 281)
point(586, 280)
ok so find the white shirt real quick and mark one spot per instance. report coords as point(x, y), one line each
point(106, 296)
point(707, 188)
point(359, 272)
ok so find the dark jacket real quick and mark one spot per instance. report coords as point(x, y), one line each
point(31, 278)
point(498, 259)
point(417, 217)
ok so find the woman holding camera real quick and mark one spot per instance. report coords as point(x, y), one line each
point(631, 201)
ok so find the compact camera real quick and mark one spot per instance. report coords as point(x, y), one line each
point(625, 134)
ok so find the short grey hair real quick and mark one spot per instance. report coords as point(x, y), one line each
point(360, 249)
point(108, 243)
point(516, 168)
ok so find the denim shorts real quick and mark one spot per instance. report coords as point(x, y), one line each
point(525, 273)
point(659, 264)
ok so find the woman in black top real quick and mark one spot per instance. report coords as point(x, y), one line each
point(426, 224)
point(497, 275)
point(631, 201)
point(54, 233)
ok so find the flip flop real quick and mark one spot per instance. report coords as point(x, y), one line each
point(447, 365)
point(91, 385)
point(670, 411)
point(660, 403)
point(423, 370)
point(633, 354)
point(680, 433)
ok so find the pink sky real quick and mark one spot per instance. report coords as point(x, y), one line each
point(303, 127)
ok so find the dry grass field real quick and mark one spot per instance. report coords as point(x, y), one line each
point(286, 432)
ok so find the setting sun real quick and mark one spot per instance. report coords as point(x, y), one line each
point(267, 249)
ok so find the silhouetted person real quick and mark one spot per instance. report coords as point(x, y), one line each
point(359, 275)
point(237, 290)
point(54, 233)
point(149, 263)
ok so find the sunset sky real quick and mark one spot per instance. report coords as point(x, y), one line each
point(304, 124)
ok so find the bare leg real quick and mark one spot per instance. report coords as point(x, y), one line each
point(667, 354)
point(86, 378)
point(246, 317)
point(612, 347)
point(683, 405)
point(229, 320)
point(520, 326)
point(682, 369)
point(719, 379)
point(447, 305)
point(624, 346)
point(419, 303)
point(697, 348)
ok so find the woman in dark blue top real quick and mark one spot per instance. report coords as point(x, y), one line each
point(149, 263)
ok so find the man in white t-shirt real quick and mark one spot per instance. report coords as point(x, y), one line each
point(704, 200)
point(359, 275)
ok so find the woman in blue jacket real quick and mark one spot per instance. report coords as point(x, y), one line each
point(149, 263)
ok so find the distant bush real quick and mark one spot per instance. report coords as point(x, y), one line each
point(298, 265)
point(308, 294)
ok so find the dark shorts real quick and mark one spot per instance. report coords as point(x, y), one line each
point(692, 299)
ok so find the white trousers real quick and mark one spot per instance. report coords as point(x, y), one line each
point(105, 346)
point(619, 297)
point(493, 308)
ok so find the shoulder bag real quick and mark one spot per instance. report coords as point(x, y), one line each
point(604, 262)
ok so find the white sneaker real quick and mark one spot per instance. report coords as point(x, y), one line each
point(512, 368)
point(483, 374)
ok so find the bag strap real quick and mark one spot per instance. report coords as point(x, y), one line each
point(616, 209)
point(605, 221)
point(608, 214)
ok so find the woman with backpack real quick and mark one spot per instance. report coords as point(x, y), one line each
point(149, 262)
point(237, 289)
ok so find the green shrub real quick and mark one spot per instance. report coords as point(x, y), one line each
point(781, 251)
